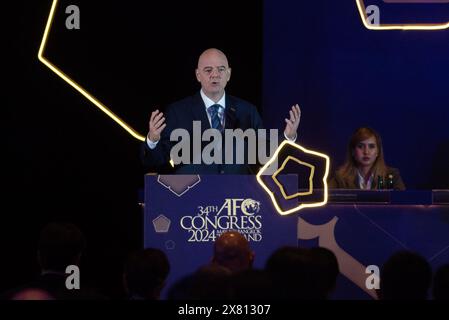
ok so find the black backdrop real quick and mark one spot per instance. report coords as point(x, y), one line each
point(65, 159)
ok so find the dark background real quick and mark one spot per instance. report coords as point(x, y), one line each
point(65, 159)
point(344, 76)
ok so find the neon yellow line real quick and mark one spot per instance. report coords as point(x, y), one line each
point(75, 85)
point(426, 27)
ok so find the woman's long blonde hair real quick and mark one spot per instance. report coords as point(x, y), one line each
point(348, 171)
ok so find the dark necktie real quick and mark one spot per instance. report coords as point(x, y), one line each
point(214, 117)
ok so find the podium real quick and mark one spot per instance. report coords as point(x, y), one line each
point(183, 216)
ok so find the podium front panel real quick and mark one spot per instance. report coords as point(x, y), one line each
point(185, 214)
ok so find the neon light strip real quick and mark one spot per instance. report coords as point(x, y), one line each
point(426, 27)
point(75, 85)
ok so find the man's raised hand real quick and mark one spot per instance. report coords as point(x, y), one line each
point(292, 123)
point(156, 125)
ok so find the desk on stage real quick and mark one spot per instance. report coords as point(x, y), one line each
point(364, 228)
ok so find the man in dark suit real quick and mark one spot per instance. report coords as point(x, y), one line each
point(60, 245)
point(211, 108)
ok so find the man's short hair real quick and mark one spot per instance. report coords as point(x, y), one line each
point(146, 271)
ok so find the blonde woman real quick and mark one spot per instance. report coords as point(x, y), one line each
point(365, 166)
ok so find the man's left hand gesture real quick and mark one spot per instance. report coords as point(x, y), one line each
point(292, 124)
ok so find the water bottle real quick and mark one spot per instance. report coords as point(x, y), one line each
point(380, 182)
point(390, 181)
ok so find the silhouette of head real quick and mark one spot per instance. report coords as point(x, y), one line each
point(252, 284)
point(32, 294)
point(232, 251)
point(325, 271)
point(60, 245)
point(210, 282)
point(405, 276)
point(145, 274)
point(290, 269)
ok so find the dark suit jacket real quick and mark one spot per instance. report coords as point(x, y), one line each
point(337, 182)
point(181, 114)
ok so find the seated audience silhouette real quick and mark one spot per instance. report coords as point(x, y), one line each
point(405, 276)
point(60, 245)
point(210, 282)
point(252, 284)
point(232, 251)
point(145, 274)
point(289, 268)
point(325, 271)
point(299, 273)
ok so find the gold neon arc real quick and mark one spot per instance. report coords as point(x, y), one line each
point(271, 193)
point(75, 85)
point(281, 187)
point(427, 27)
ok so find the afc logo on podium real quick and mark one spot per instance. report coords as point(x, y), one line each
point(236, 214)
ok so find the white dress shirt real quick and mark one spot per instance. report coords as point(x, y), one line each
point(365, 185)
point(221, 113)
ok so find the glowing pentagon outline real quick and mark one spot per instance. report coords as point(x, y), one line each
point(271, 193)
